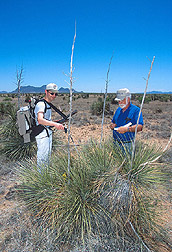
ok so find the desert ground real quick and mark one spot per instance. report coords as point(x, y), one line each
point(84, 126)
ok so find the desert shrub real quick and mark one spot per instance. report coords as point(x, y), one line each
point(113, 101)
point(85, 96)
point(158, 110)
point(108, 98)
point(100, 99)
point(6, 107)
point(164, 98)
point(97, 107)
point(7, 99)
point(147, 99)
point(102, 196)
point(12, 144)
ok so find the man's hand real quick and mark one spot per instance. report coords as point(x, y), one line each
point(59, 126)
point(112, 126)
point(45, 122)
point(132, 128)
point(122, 130)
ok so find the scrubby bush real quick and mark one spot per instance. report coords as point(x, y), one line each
point(153, 97)
point(164, 98)
point(7, 99)
point(113, 101)
point(85, 96)
point(147, 99)
point(12, 144)
point(102, 198)
point(5, 108)
point(97, 107)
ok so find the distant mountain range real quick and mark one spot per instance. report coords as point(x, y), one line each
point(159, 92)
point(32, 89)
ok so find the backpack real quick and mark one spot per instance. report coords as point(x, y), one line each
point(26, 122)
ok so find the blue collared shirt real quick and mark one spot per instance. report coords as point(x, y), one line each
point(121, 118)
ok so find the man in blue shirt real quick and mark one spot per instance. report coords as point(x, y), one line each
point(125, 119)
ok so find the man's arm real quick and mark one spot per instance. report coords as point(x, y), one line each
point(43, 121)
point(132, 128)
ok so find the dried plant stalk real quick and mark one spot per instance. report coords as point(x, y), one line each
point(19, 75)
point(106, 88)
point(134, 143)
point(70, 102)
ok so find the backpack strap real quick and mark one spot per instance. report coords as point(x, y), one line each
point(56, 109)
point(45, 102)
point(28, 122)
point(36, 130)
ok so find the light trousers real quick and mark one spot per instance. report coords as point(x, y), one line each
point(44, 147)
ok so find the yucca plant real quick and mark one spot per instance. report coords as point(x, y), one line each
point(12, 144)
point(134, 193)
point(100, 197)
point(69, 203)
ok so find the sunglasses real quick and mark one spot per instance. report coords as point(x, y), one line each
point(51, 93)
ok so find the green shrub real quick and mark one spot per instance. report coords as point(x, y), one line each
point(6, 108)
point(113, 101)
point(100, 197)
point(85, 96)
point(12, 144)
point(97, 107)
point(7, 99)
point(164, 98)
point(147, 99)
point(100, 99)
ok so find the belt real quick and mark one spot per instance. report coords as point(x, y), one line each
point(123, 141)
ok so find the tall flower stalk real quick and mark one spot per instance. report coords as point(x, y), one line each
point(70, 102)
point(19, 76)
point(106, 88)
point(134, 143)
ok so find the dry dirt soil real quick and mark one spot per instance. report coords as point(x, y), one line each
point(157, 128)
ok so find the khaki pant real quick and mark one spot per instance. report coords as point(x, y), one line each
point(44, 147)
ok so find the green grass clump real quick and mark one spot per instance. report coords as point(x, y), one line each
point(102, 196)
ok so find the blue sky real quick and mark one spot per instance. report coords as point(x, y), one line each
point(38, 34)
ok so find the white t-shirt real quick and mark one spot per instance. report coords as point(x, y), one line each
point(40, 107)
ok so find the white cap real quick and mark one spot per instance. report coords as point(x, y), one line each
point(52, 87)
point(122, 93)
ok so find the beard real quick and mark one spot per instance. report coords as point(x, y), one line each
point(122, 105)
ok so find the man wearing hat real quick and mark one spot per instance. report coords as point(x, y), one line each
point(124, 121)
point(43, 117)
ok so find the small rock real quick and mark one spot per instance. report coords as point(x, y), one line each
point(11, 194)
